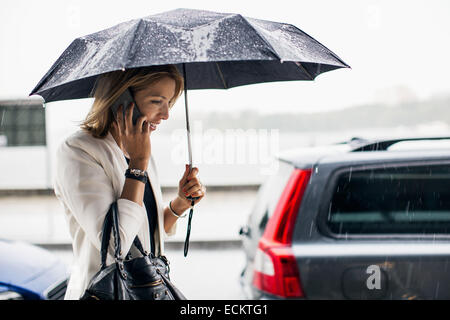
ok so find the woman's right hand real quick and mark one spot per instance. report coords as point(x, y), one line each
point(135, 139)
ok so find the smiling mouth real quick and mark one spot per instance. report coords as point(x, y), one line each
point(153, 126)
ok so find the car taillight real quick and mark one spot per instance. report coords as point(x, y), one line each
point(275, 267)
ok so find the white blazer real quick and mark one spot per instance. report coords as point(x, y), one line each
point(90, 175)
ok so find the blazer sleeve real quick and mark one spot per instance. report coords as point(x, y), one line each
point(88, 193)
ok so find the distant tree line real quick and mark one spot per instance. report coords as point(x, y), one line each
point(364, 116)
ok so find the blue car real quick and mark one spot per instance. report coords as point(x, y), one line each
point(28, 272)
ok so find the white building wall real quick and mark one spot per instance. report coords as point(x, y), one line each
point(23, 168)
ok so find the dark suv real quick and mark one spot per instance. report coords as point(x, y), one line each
point(356, 220)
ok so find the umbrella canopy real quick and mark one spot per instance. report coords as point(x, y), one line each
point(219, 50)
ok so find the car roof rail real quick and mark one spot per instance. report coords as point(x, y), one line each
point(359, 144)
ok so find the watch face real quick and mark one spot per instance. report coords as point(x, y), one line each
point(138, 172)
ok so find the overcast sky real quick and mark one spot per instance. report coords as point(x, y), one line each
point(398, 50)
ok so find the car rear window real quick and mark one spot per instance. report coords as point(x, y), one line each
point(400, 200)
point(268, 195)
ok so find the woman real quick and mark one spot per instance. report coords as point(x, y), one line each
point(92, 163)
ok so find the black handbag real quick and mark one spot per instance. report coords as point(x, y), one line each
point(140, 278)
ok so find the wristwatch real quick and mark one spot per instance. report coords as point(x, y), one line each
point(137, 174)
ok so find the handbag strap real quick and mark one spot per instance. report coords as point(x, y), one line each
point(111, 223)
point(116, 232)
point(137, 243)
point(106, 235)
point(108, 226)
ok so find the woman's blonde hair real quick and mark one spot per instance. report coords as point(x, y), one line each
point(111, 85)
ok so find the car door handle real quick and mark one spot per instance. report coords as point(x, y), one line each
point(245, 231)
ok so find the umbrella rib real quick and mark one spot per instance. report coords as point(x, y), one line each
point(274, 52)
point(136, 26)
point(328, 50)
point(221, 76)
point(304, 70)
point(191, 29)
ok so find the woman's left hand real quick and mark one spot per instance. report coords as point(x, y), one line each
point(190, 185)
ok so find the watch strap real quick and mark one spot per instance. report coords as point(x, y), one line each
point(137, 174)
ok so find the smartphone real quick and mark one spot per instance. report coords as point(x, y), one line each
point(125, 99)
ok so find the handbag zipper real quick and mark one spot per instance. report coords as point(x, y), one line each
point(150, 284)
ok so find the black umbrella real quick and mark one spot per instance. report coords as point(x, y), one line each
point(212, 50)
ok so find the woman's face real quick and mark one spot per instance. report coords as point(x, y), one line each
point(155, 101)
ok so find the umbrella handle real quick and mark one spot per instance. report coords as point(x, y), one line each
point(192, 199)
